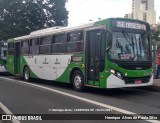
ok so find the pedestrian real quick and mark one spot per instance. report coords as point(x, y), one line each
point(158, 64)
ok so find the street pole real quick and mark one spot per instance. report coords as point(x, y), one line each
point(154, 49)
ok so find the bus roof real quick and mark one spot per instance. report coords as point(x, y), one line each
point(49, 31)
point(54, 30)
point(18, 38)
point(22, 37)
point(60, 29)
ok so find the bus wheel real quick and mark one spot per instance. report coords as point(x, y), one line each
point(26, 74)
point(78, 81)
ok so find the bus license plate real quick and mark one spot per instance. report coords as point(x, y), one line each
point(138, 82)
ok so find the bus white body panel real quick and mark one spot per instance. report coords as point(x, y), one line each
point(35, 64)
point(48, 67)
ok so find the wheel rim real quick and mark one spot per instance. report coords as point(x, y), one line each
point(77, 81)
point(26, 74)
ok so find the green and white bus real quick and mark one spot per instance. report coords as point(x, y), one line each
point(109, 53)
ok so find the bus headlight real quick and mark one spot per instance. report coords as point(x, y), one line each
point(112, 71)
point(116, 73)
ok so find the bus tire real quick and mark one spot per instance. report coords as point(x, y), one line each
point(78, 81)
point(26, 75)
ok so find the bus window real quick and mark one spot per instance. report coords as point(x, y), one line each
point(75, 42)
point(75, 36)
point(34, 42)
point(53, 39)
point(74, 47)
point(59, 48)
point(25, 43)
point(25, 47)
point(10, 45)
point(60, 38)
point(34, 46)
point(46, 40)
point(59, 43)
point(11, 48)
point(45, 45)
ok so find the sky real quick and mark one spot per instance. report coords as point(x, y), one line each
point(83, 11)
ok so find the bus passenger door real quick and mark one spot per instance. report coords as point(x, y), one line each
point(17, 58)
point(93, 41)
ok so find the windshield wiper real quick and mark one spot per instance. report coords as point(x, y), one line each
point(109, 30)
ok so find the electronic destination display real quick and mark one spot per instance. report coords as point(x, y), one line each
point(129, 25)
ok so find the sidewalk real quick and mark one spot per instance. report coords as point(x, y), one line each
point(155, 87)
point(156, 83)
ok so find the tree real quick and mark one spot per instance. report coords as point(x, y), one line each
point(20, 17)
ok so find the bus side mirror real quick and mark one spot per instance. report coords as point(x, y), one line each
point(108, 48)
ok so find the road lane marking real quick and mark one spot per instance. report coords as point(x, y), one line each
point(81, 98)
point(8, 112)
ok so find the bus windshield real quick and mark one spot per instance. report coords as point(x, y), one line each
point(130, 47)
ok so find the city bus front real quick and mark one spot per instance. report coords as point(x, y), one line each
point(129, 54)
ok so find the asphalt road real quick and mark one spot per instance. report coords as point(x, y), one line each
point(45, 97)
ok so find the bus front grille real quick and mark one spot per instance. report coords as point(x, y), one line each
point(132, 80)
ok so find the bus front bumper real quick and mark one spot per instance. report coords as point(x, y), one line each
point(115, 82)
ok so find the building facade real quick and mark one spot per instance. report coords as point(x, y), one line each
point(128, 15)
point(144, 10)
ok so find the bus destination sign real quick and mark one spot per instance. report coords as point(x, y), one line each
point(130, 25)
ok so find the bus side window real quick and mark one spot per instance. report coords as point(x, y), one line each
point(75, 42)
point(59, 43)
point(45, 45)
point(60, 38)
point(11, 48)
point(30, 42)
point(34, 46)
point(25, 47)
point(53, 39)
point(21, 43)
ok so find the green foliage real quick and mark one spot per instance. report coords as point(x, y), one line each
point(20, 17)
